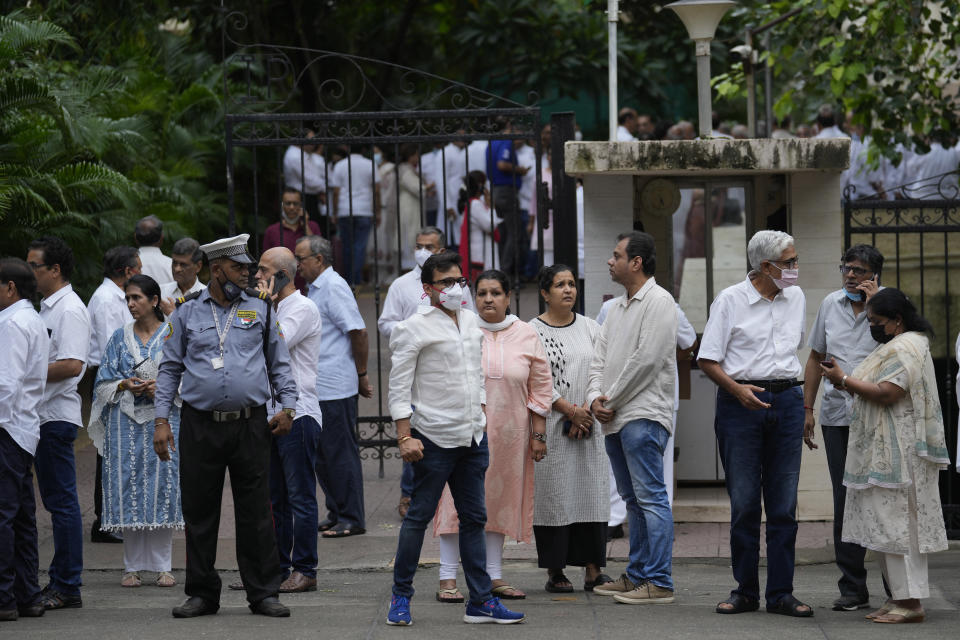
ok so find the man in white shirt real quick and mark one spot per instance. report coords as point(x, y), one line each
point(827, 123)
point(632, 380)
point(341, 376)
point(356, 198)
point(431, 167)
point(293, 457)
point(186, 265)
point(925, 172)
point(404, 296)
point(454, 162)
point(749, 349)
point(108, 312)
point(149, 236)
point(68, 326)
point(626, 125)
point(436, 366)
point(22, 379)
point(304, 170)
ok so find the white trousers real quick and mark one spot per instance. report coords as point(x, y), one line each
point(618, 508)
point(148, 549)
point(450, 555)
point(907, 575)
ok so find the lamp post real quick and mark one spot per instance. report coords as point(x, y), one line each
point(612, 13)
point(701, 18)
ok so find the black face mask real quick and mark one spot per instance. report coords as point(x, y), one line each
point(230, 291)
point(879, 335)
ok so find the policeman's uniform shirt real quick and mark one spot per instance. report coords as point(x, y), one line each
point(68, 326)
point(840, 334)
point(191, 343)
point(753, 338)
point(336, 370)
point(300, 321)
point(156, 265)
point(22, 376)
point(404, 296)
point(172, 289)
point(108, 312)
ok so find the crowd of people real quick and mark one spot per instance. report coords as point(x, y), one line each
point(507, 428)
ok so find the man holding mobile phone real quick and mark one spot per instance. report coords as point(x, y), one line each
point(841, 336)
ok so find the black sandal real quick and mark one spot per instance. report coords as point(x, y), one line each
point(553, 584)
point(790, 606)
point(739, 603)
point(596, 582)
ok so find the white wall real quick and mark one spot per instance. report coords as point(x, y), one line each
point(608, 212)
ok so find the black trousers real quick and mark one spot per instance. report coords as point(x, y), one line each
point(18, 532)
point(207, 450)
point(853, 575)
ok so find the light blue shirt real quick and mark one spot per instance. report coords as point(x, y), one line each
point(336, 370)
point(192, 342)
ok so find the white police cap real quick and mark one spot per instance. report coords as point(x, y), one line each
point(234, 248)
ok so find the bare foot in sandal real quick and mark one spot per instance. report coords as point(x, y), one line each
point(505, 591)
point(448, 592)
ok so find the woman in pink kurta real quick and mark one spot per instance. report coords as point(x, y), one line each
point(519, 390)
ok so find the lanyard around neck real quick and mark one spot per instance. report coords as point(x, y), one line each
point(216, 320)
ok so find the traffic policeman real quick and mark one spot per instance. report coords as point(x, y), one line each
point(229, 357)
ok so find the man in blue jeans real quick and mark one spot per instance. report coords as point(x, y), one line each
point(436, 365)
point(749, 349)
point(68, 324)
point(632, 377)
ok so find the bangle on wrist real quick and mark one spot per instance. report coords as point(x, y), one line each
point(807, 408)
point(403, 439)
point(843, 382)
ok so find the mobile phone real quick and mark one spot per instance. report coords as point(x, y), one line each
point(827, 362)
point(280, 280)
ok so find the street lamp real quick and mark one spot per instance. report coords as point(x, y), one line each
point(701, 18)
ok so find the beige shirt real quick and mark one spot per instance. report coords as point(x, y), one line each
point(634, 363)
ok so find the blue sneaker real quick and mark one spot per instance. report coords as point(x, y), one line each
point(491, 611)
point(399, 614)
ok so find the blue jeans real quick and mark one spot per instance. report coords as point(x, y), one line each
point(355, 232)
point(636, 456)
point(57, 480)
point(406, 480)
point(463, 468)
point(338, 463)
point(760, 451)
point(293, 494)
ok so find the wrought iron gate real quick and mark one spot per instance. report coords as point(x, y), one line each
point(919, 236)
point(360, 104)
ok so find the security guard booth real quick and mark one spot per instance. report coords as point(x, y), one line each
point(702, 200)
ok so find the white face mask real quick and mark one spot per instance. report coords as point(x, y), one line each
point(452, 297)
point(421, 256)
point(290, 218)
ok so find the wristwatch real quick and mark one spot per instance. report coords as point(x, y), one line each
point(542, 437)
point(290, 412)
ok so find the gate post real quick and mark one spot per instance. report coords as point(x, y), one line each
point(564, 201)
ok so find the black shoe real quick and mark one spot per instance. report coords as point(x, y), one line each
point(96, 535)
point(195, 606)
point(614, 532)
point(851, 603)
point(270, 607)
point(53, 599)
point(8, 615)
point(34, 610)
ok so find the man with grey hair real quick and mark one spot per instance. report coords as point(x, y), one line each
point(149, 236)
point(341, 375)
point(749, 349)
point(185, 267)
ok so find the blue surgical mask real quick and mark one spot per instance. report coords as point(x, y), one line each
point(377, 158)
point(856, 297)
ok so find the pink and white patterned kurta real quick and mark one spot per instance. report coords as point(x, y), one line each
point(518, 381)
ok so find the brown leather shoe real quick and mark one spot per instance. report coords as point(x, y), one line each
point(297, 583)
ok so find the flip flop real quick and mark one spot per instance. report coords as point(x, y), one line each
point(553, 584)
point(790, 606)
point(326, 525)
point(905, 615)
point(596, 582)
point(882, 611)
point(452, 595)
point(343, 532)
point(739, 603)
point(501, 592)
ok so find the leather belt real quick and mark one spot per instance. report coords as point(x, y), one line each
point(773, 386)
point(230, 416)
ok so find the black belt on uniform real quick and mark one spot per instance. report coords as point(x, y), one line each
point(773, 386)
point(226, 416)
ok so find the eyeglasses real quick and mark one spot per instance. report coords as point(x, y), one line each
point(857, 271)
point(35, 266)
point(295, 205)
point(446, 283)
point(300, 259)
point(792, 263)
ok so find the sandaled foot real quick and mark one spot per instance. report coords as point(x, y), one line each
point(131, 580)
point(451, 594)
point(166, 579)
point(900, 615)
point(558, 583)
point(790, 606)
point(342, 531)
point(885, 609)
point(506, 592)
point(737, 603)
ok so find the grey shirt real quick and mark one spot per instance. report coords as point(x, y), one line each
point(191, 343)
point(836, 332)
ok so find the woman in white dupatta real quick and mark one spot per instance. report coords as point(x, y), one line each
point(896, 450)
